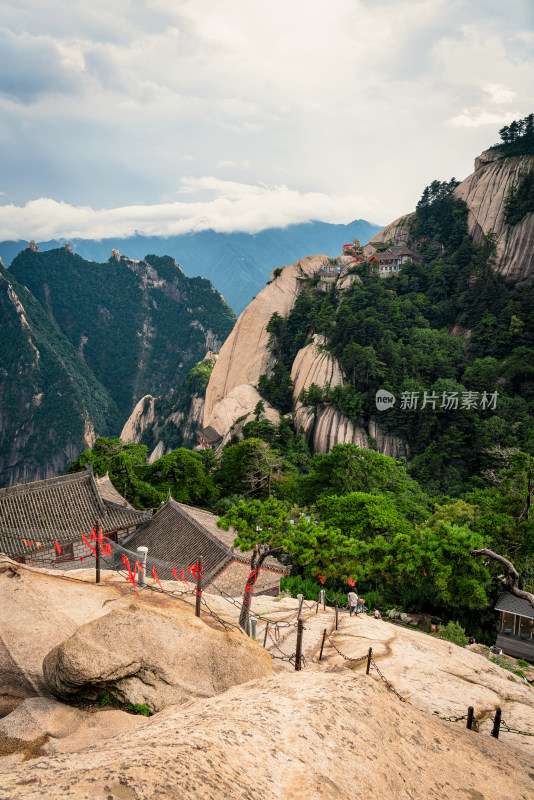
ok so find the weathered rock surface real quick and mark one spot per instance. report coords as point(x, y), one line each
point(53, 727)
point(239, 404)
point(312, 734)
point(38, 612)
point(141, 417)
point(438, 676)
point(151, 656)
point(327, 427)
point(312, 365)
point(485, 192)
point(245, 354)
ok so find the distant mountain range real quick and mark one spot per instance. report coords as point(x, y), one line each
point(238, 264)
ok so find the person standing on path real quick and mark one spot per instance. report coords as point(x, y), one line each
point(353, 602)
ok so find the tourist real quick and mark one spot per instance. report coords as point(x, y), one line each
point(378, 615)
point(353, 602)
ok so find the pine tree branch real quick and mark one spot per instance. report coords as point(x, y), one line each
point(512, 576)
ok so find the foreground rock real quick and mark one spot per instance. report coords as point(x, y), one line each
point(38, 612)
point(42, 726)
point(152, 656)
point(438, 676)
point(306, 735)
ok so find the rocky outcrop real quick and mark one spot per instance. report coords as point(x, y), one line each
point(385, 443)
point(325, 427)
point(41, 726)
point(141, 418)
point(397, 233)
point(485, 192)
point(310, 734)
point(314, 365)
point(236, 409)
point(151, 656)
point(245, 355)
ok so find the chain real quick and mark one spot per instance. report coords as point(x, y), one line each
point(508, 729)
point(347, 658)
point(452, 719)
point(388, 684)
point(284, 656)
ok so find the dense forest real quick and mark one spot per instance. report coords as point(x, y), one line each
point(139, 328)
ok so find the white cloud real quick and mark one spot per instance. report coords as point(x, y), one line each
point(359, 98)
point(229, 206)
point(475, 118)
point(499, 94)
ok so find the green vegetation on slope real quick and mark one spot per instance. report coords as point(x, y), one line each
point(140, 327)
point(47, 393)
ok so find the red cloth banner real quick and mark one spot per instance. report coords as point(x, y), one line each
point(194, 569)
point(176, 576)
point(58, 548)
point(321, 578)
point(155, 576)
point(92, 549)
point(351, 582)
point(131, 576)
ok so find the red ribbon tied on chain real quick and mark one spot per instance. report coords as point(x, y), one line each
point(351, 582)
point(91, 548)
point(131, 576)
point(155, 576)
point(58, 548)
point(195, 569)
point(321, 578)
point(176, 576)
point(249, 588)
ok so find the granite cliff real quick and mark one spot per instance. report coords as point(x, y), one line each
point(485, 192)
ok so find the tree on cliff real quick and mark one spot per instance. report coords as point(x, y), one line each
point(267, 529)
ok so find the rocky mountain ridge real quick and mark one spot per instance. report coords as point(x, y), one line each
point(246, 354)
point(84, 342)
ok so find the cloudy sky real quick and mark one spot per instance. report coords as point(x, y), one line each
point(165, 116)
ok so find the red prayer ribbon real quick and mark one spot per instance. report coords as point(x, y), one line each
point(351, 582)
point(176, 576)
point(321, 578)
point(92, 549)
point(155, 576)
point(131, 576)
point(58, 548)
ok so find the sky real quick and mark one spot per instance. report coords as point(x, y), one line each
point(165, 116)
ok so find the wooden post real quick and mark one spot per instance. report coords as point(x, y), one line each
point(324, 599)
point(97, 548)
point(369, 657)
point(318, 601)
point(322, 645)
point(199, 587)
point(336, 612)
point(299, 645)
point(266, 633)
point(496, 723)
point(470, 713)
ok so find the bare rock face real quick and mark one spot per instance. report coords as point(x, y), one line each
point(397, 233)
point(304, 735)
point(388, 445)
point(239, 404)
point(312, 365)
point(152, 656)
point(141, 417)
point(38, 612)
point(327, 427)
point(245, 354)
point(41, 726)
point(484, 192)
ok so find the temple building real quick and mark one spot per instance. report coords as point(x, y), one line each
point(516, 627)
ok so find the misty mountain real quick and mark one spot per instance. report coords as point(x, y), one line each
point(237, 264)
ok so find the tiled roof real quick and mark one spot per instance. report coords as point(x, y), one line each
point(514, 605)
point(179, 534)
point(61, 509)
point(209, 434)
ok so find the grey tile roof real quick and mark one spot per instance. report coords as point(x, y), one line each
point(209, 434)
point(61, 509)
point(514, 605)
point(179, 534)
